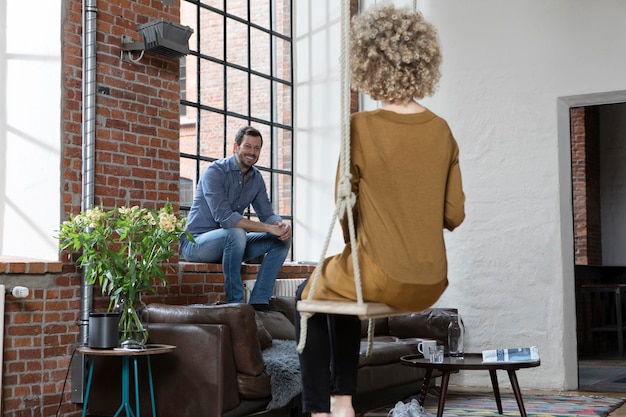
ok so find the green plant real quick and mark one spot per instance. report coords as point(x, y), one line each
point(123, 251)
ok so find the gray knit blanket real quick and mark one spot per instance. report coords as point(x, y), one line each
point(283, 367)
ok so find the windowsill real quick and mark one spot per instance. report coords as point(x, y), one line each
point(202, 267)
point(22, 265)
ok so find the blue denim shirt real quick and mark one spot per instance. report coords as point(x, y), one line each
point(221, 198)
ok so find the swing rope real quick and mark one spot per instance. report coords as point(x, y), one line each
point(345, 201)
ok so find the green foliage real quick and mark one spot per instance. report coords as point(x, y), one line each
point(123, 249)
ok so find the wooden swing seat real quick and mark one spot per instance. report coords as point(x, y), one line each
point(349, 308)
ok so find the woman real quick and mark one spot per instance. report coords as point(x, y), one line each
point(406, 176)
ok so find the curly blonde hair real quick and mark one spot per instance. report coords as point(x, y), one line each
point(394, 54)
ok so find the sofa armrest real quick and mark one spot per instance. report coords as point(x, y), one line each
point(197, 379)
point(240, 318)
point(431, 323)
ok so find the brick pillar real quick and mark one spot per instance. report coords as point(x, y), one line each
point(585, 144)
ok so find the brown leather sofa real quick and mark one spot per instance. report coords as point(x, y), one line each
point(218, 367)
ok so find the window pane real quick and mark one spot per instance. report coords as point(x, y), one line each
point(260, 52)
point(282, 195)
point(212, 34)
point(186, 191)
point(284, 149)
point(260, 97)
point(189, 90)
point(283, 59)
point(237, 43)
point(238, 8)
point(189, 15)
point(218, 4)
point(238, 91)
point(282, 17)
point(260, 13)
point(212, 76)
point(283, 107)
point(212, 135)
point(188, 138)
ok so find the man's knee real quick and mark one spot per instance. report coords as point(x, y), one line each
point(286, 245)
point(237, 236)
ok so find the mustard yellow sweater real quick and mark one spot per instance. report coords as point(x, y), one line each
point(406, 176)
point(405, 173)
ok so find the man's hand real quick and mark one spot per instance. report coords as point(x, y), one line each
point(282, 230)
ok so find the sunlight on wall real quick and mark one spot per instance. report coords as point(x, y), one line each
point(30, 83)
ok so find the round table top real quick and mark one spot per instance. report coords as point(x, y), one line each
point(150, 349)
point(469, 361)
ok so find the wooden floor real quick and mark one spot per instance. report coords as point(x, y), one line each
point(613, 362)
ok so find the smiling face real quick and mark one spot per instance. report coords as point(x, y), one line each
point(248, 152)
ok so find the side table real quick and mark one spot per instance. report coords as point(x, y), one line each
point(127, 355)
point(471, 361)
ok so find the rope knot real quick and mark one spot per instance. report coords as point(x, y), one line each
point(344, 188)
point(345, 204)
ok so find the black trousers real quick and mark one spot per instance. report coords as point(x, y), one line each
point(330, 360)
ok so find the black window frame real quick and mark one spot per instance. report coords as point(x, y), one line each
point(191, 104)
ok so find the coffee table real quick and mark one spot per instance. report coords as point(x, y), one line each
point(470, 362)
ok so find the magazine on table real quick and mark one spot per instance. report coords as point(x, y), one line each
point(526, 354)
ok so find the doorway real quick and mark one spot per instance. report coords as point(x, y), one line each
point(598, 178)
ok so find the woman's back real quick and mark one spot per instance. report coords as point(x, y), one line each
point(408, 185)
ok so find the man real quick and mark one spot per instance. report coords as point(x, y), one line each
point(221, 232)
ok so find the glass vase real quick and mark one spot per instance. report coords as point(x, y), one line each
point(132, 329)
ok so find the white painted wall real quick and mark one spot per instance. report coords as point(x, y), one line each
point(505, 66)
point(613, 183)
point(30, 126)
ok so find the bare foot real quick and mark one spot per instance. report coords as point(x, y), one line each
point(341, 406)
point(321, 415)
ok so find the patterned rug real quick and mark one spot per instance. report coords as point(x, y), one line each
point(478, 404)
point(484, 404)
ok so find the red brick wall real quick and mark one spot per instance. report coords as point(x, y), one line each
point(585, 145)
point(137, 123)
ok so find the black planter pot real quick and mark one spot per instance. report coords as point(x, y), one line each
point(103, 330)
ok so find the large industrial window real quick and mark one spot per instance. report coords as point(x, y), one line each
point(239, 72)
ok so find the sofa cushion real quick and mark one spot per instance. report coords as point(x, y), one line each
point(380, 326)
point(431, 322)
point(286, 305)
point(384, 352)
point(278, 326)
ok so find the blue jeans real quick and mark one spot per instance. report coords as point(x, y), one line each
point(233, 246)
